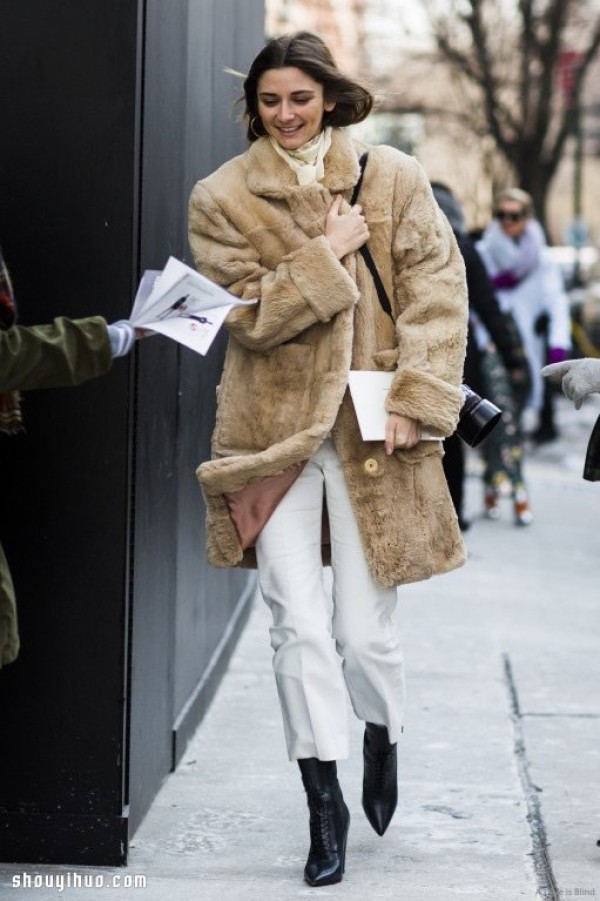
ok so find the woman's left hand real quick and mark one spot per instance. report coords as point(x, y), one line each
point(400, 431)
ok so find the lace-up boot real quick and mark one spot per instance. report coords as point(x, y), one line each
point(380, 782)
point(329, 822)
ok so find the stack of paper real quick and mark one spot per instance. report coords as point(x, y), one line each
point(183, 305)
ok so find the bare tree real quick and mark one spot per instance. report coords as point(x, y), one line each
point(521, 67)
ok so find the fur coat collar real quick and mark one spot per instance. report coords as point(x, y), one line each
point(269, 176)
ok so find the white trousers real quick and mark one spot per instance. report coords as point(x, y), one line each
point(321, 649)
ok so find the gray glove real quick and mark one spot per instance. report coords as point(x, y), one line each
point(578, 378)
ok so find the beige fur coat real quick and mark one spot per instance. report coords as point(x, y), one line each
point(254, 230)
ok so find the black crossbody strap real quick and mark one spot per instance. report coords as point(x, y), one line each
point(363, 165)
point(364, 250)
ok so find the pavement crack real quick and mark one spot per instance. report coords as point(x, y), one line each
point(450, 811)
point(547, 887)
point(575, 716)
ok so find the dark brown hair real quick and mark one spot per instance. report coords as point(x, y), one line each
point(307, 52)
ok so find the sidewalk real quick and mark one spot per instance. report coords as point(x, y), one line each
point(501, 754)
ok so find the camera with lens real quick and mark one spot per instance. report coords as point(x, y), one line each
point(477, 417)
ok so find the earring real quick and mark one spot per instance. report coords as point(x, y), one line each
point(252, 128)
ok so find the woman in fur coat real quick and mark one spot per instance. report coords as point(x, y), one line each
point(275, 224)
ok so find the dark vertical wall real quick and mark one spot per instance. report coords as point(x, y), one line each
point(212, 135)
point(186, 610)
point(111, 110)
point(68, 93)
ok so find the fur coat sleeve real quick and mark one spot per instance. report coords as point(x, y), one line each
point(308, 286)
point(429, 293)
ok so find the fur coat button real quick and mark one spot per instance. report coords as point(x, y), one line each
point(371, 466)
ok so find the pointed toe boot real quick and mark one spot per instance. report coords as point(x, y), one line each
point(329, 822)
point(380, 782)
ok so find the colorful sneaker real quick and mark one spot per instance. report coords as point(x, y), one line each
point(523, 514)
point(490, 502)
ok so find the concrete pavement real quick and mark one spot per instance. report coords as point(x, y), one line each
point(499, 766)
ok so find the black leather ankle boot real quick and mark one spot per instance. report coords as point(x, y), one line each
point(329, 822)
point(380, 781)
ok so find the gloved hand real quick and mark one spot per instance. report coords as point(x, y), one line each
point(578, 378)
point(121, 335)
point(557, 355)
point(504, 280)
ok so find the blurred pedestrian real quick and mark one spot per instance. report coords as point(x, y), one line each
point(528, 283)
point(507, 349)
point(529, 288)
point(503, 450)
point(275, 224)
point(46, 356)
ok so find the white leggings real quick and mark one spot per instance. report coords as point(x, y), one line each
point(319, 653)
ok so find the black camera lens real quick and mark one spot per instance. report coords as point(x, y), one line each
point(478, 417)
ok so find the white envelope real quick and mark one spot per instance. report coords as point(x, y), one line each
point(369, 390)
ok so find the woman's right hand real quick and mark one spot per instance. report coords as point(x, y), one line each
point(346, 232)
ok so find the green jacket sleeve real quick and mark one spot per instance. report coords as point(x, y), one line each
point(9, 631)
point(52, 356)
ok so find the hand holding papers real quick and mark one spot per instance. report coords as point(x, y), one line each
point(369, 391)
point(183, 305)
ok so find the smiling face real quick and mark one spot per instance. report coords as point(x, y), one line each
point(291, 106)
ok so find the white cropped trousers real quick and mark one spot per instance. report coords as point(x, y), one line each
point(323, 649)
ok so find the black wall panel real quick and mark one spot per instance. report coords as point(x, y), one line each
point(66, 229)
point(212, 135)
point(111, 110)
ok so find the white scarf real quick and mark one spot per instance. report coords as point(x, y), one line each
point(519, 257)
point(307, 161)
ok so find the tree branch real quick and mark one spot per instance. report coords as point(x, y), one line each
point(566, 125)
point(556, 17)
point(474, 21)
point(589, 55)
point(480, 130)
point(528, 47)
point(480, 75)
point(512, 66)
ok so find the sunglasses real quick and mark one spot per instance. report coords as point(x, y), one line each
point(506, 216)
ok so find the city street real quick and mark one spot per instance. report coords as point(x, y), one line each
point(500, 763)
point(305, 164)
